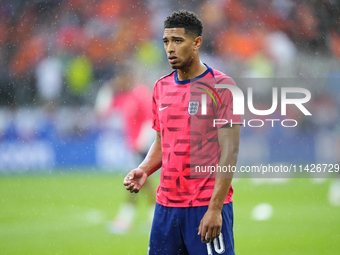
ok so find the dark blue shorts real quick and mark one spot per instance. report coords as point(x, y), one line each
point(174, 232)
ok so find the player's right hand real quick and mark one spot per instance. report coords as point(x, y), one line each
point(135, 180)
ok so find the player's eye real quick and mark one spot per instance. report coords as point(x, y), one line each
point(178, 41)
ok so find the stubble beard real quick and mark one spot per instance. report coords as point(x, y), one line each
point(182, 66)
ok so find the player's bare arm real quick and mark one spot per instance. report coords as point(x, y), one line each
point(211, 223)
point(135, 180)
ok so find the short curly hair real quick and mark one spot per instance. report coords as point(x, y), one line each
point(185, 19)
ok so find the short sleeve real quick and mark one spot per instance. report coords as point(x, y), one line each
point(225, 111)
point(155, 122)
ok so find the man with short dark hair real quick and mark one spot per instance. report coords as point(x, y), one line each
point(193, 212)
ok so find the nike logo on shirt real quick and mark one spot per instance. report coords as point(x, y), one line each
point(161, 109)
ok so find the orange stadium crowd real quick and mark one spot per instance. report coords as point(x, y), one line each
point(77, 44)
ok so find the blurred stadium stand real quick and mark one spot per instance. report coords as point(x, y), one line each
point(56, 55)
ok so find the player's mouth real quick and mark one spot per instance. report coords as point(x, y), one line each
point(172, 60)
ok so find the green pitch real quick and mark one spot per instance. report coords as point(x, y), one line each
point(68, 214)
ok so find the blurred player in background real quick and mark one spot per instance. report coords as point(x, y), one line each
point(193, 214)
point(123, 101)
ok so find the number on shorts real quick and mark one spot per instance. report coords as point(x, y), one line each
point(219, 248)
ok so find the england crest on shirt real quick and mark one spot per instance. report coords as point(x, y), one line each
point(193, 107)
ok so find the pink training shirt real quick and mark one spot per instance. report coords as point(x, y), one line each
point(189, 139)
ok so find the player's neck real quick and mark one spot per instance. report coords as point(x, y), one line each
point(193, 70)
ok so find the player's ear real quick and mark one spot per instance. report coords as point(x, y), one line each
point(197, 42)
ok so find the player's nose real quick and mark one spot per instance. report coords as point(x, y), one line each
point(170, 48)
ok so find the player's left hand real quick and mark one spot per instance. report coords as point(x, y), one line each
point(210, 226)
